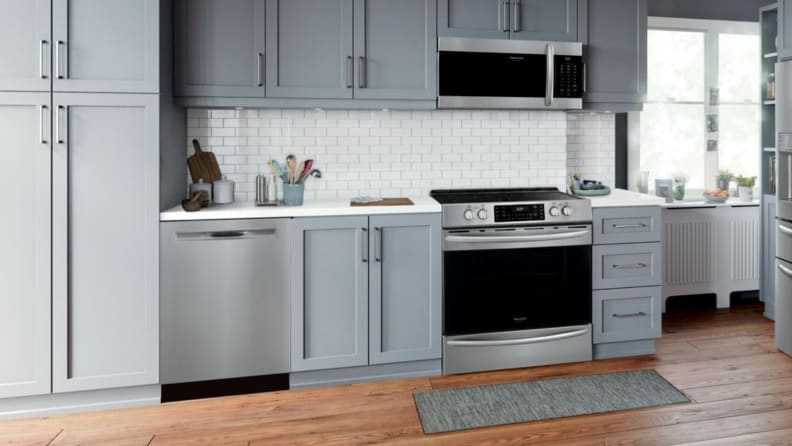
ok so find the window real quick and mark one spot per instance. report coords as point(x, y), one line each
point(702, 112)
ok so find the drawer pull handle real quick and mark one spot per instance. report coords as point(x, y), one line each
point(784, 229)
point(629, 226)
point(626, 315)
point(633, 266)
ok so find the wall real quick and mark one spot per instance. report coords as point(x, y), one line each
point(398, 153)
point(742, 10)
point(591, 146)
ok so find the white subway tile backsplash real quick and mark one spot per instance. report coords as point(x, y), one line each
point(395, 153)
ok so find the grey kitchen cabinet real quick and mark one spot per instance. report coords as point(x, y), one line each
point(25, 243)
point(615, 54)
point(628, 265)
point(627, 314)
point(473, 18)
point(105, 237)
point(769, 237)
point(551, 20)
point(329, 292)
point(309, 49)
point(405, 290)
point(25, 45)
point(395, 49)
point(627, 225)
point(109, 46)
point(220, 47)
point(784, 39)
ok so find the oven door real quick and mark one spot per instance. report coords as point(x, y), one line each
point(511, 279)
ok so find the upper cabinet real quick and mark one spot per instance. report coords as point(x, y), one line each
point(784, 39)
point(395, 49)
point(615, 32)
point(25, 45)
point(220, 47)
point(551, 20)
point(309, 49)
point(109, 46)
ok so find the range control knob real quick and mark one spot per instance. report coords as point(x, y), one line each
point(554, 211)
point(468, 214)
point(567, 211)
point(482, 214)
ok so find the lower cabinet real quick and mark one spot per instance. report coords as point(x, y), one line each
point(627, 314)
point(365, 290)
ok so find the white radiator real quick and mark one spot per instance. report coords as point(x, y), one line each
point(711, 250)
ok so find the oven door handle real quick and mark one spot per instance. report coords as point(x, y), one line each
point(515, 238)
point(522, 341)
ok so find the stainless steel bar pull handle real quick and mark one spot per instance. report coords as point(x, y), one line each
point(515, 15)
point(259, 69)
point(504, 16)
point(364, 245)
point(785, 270)
point(42, 118)
point(349, 76)
point(43, 59)
point(550, 81)
point(59, 125)
point(627, 315)
point(506, 342)
point(378, 244)
point(784, 229)
point(633, 266)
point(362, 72)
point(58, 73)
point(629, 226)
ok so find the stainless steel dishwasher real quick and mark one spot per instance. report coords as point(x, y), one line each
point(224, 299)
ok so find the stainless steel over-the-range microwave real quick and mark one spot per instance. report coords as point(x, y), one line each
point(491, 73)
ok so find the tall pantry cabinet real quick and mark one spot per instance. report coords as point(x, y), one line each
point(81, 115)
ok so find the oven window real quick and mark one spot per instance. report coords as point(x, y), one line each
point(516, 289)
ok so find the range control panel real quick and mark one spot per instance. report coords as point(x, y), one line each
point(504, 213)
point(523, 212)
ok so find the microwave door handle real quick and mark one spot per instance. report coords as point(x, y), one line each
point(550, 78)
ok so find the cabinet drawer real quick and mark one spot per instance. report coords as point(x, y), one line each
point(627, 225)
point(626, 315)
point(623, 266)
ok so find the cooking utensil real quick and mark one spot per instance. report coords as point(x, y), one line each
point(196, 202)
point(203, 165)
point(316, 173)
point(305, 171)
point(292, 166)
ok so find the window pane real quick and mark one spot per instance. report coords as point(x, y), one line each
point(675, 65)
point(672, 140)
point(739, 139)
point(738, 67)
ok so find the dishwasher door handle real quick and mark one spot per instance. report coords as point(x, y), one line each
point(225, 235)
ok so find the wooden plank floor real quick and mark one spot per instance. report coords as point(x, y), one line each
point(724, 360)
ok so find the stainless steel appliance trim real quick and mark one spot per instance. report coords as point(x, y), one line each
point(550, 77)
point(493, 102)
point(785, 270)
point(469, 45)
point(543, 236)
point(42, 58)
point(521, 341)
point(494, 238)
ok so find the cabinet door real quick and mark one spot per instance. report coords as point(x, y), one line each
point(329, 293)
point(105, 241)
point(25, 244)
point(405, 292)
point(769, 236)
point(473, 18)
point(616, 54)
point(554, 20)
point(396, 49)
point(106, 46)
point(784, 39)
point(220, 48)
point(25, 45)
point(309, 49)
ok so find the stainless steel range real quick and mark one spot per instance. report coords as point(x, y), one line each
point(516, 278)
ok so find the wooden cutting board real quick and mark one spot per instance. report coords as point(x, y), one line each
point(400, 201)
point(203, 165)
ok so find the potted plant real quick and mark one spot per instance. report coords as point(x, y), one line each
point(680, 180)
point(746, 185)
point(724, 178)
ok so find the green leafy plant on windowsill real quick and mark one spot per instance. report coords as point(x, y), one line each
point(745, 181)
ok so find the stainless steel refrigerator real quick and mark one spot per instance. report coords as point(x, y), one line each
point(783, 262)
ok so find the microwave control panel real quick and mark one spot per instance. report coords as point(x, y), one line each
point(569, 81)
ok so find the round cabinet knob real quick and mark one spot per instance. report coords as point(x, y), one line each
point(468, 214)
point(482, 214)
point(555, 212)
point(567, 211)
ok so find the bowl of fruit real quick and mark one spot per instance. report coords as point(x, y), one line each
point(716, 196)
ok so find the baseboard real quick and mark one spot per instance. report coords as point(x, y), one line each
point(351, 375)
point(622, 349)
point(61, 403)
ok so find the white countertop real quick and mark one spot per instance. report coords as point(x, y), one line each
point(625, 198)
point(311, 208)
point(731, 202)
